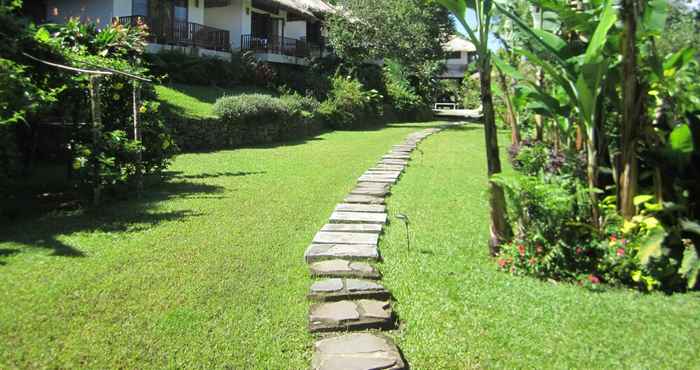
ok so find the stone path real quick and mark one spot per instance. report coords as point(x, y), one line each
point(347, 294)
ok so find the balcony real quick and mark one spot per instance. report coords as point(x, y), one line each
point(280, 45)
point(181, 33)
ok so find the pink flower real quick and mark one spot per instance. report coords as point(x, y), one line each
point(502, 263)
point(521, 250)
point(613, 238)
point(579, 250)
point(620, 252)
point(539, 249)
point(593, 279)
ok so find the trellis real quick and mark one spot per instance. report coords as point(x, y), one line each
point(95, 76)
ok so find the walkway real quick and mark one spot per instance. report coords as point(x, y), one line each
point(347, 293)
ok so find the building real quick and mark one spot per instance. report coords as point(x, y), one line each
point(460, 53)
point(278, 31)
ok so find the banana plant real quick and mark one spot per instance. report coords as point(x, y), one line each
point(478, 34)
point(580, 77)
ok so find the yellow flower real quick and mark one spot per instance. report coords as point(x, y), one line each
point(115, 96)
point(118, 86)
point(143, 109)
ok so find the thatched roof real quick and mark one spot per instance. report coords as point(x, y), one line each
point(310, 8)
point(458, 43)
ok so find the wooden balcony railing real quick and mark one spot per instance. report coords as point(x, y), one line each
point(279, 45)
point(182, 33)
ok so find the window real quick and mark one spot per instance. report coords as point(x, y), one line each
point(139, 7)
point(454, 55)
point(180, 10)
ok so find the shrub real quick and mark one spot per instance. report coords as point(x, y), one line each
point(350, 105)
point(471, 92)
point(250, 109)
point(401, 95)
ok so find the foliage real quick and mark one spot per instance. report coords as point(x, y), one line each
point(349, 105)
point(113, 158)
point(401, 95)
point(178, 67)
point(471, 94)
point(249, 108)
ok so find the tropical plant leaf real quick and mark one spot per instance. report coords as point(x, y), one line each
point(690, 226)
point(554, 41)
point(600, 36)
point(690, 266)
point(654, 17)
point(641, 199)
point(506, 68)
point(681, 140)
point(652, 245)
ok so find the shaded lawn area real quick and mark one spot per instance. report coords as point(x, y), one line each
point(458, 312)
point(205, 271)
point(193, 101)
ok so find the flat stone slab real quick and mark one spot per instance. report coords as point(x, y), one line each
point(319, 252)
point(347, 289)
point(387, 167)
point(344, 268)
point(353, 228)
point(350, 315)
point(363, 199)
point(382, 173)
point(324, 237)
point(373, 178)
point(396, 156)
point(353, 207)
point(373, 185)
point(357, 351)
point(400, 162)
point(357, 217)
point(377, 192)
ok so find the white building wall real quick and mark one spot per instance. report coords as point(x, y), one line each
point(228, 18)
point(195, 14)
point(122, 8)
point(59, 11)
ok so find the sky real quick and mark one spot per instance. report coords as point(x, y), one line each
point(494, 44)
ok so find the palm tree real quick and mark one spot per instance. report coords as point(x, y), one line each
point(500, 230)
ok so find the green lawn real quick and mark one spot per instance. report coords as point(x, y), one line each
point(207, 271)
point(198, 101)
point(459, 312)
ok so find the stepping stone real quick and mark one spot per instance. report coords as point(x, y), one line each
point(396, 156)
point(357, 351)
point(318, 252)
point(363, 199)
point(387, 180)
point(371, 208)
point(400, 162)
point(373, 185)
point(324, 237)
point(387, 167)
point(347, 289)
point(344, 268)
point(382, 173)
point(357, 217)
point(362, 190)
point(350, 315)
point(353, 228)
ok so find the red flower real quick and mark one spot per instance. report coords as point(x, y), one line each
point(502, 263)
point(620, 252)
point(521, 250)
point(579, 250)
point(613, 238)
point(593, 279)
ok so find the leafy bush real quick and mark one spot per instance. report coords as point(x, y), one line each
point(401, 95)
point(471, 93)
point(250, 109)
point(350, 105)
point(184, 68)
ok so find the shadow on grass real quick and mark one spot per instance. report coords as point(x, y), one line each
point(180, 175)
point(45, 231)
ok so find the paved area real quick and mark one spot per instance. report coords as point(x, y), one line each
point(348, 295)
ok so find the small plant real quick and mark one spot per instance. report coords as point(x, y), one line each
point(350, 105)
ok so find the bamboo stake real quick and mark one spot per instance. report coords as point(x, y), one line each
point(136, 95)
point(96, 108)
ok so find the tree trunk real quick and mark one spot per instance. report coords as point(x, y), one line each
point(96, 110)
point(630, 115)
point(511, 117)
point(592, 174)
point(500, 229)
point(539, 120)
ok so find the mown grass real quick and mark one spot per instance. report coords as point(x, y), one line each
point(198, 101)
point(458, 312)
point(205, 271)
